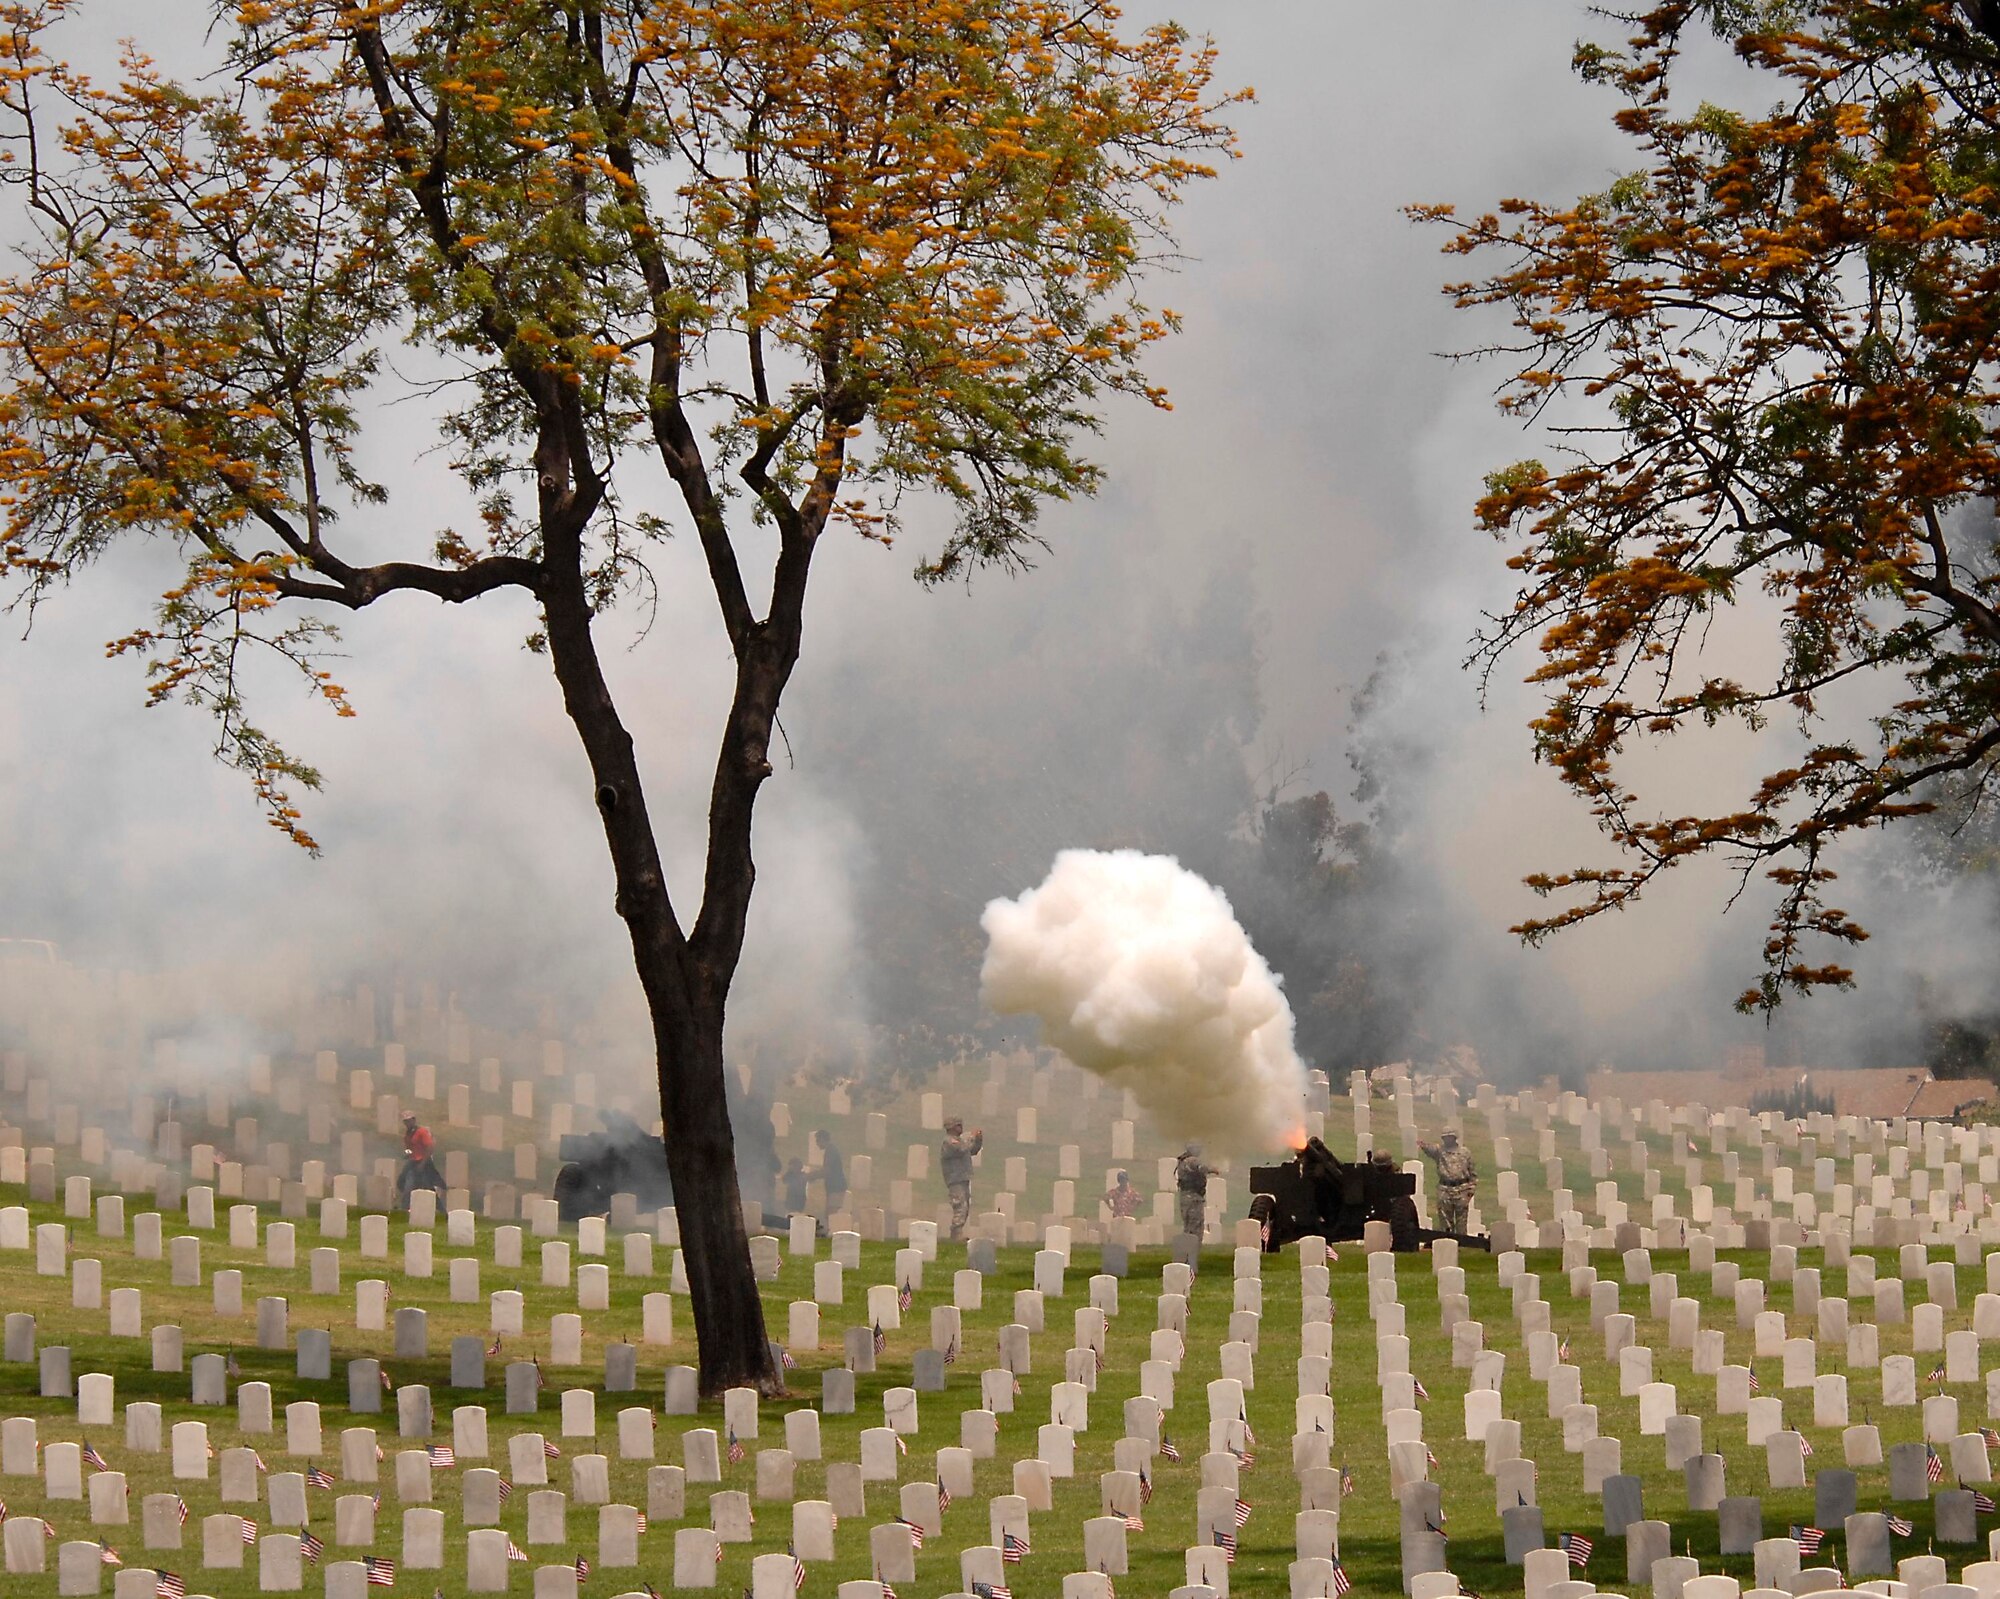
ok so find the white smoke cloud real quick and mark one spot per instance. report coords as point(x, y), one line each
point(1139, 972)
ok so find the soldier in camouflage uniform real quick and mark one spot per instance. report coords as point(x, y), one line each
point(955, 1166)
point(1457, 1178)
point(1191, 1178)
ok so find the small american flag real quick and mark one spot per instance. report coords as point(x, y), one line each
point(540, 1380)
point(1562, 1349)
point(1805, 1447)
point(1808, 1539)
point(1225, 1540)
point(1167, 1448)
point(1992, 1438)
point(506, 1490)
point(582, 1569)
point(248, 1529)
point(1145, 1488)
point(516, 1552)
point(735, 1450)
point(903, 1297)
point(980, 1590)
point(1576, 1546)
point(169, 1586)
point(881, 1339)
point(1430, 1458)
point(1418, 1384)
point(1936, 1374)
point(1134, 1522)
point(319, 1479)
point(1933, 1464)
point(1342, 1583)
point(916, 1533)
point(493, 1348)
point(1982, 1504)
point(93, 1459)
point(181, 1509)
point(388, 1383)
point(1012, 1548)
point(443, 1458)
point(944, 1497)
point(381, 1571)
point(1900, 1527)
point(1347, 1483)
point(798, 1567)
point(108, 1556)
point(550, 1451)
point(310, 1547)
point(951, 1353)
point(889, 1592)
point(230, 1367)
point(1755, 1385)
point(785, 1360)
point(1242, 1513)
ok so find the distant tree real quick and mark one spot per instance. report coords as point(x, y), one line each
point(1771, 357)
point(801, 255)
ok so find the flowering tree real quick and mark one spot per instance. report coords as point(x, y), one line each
point(1769, 357)
point(806, 255)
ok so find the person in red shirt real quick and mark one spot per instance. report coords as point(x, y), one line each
point(419, 1170)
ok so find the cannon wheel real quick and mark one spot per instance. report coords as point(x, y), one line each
point(578, 1195)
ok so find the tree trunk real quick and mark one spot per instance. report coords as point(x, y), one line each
point(686, 1006)
point(733, 1347)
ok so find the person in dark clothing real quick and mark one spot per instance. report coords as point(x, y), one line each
point(794, 1184)
point(832, 1170)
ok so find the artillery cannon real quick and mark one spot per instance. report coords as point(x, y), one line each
point(1317, 1192)
point(623, 1159)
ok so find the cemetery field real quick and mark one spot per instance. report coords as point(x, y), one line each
point(1359, 1370)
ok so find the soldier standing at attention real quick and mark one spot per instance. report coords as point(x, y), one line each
point(955, 1166)
point(1457, 1178)
point(1191, 1178)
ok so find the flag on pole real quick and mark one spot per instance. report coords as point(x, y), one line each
point(951, 1353)
point(1134, 1522)
point(381, 1571)
point(798, 1567)
point(1242, 1513)
point(1342, 1583)
point(310, 1548)
point(582, 1569)
point(1808, 1538)
point(1167, 1448)
point(516, 1552)
point(319, 1479)
point(944, 1497)
point(169, 1586)
point(248, 1529)
point(1900, 1527)
point(550, 1451)
point(1576, 1547)
point(443, 1458)
point(916, 1533)
point(93, 1459)
point(1936, 1375)
point(1012, 1547)
point(1562, 1350)
point(904, 1296)
point(108, 1556)
point(1933, 1464)
point(493, 1348)
point(181, 1509)
point(1346, 1482)
point(1225, 1540)
point(881, 1339)
point(1982, 1504)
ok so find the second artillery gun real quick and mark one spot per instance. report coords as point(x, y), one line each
point(623, 1159)
point(1316, 1192)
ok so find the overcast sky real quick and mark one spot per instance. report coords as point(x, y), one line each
point(1316, 437)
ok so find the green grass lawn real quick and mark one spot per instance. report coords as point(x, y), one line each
point(1368, 1527)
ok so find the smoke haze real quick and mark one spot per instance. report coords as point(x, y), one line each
point(1191, 646)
